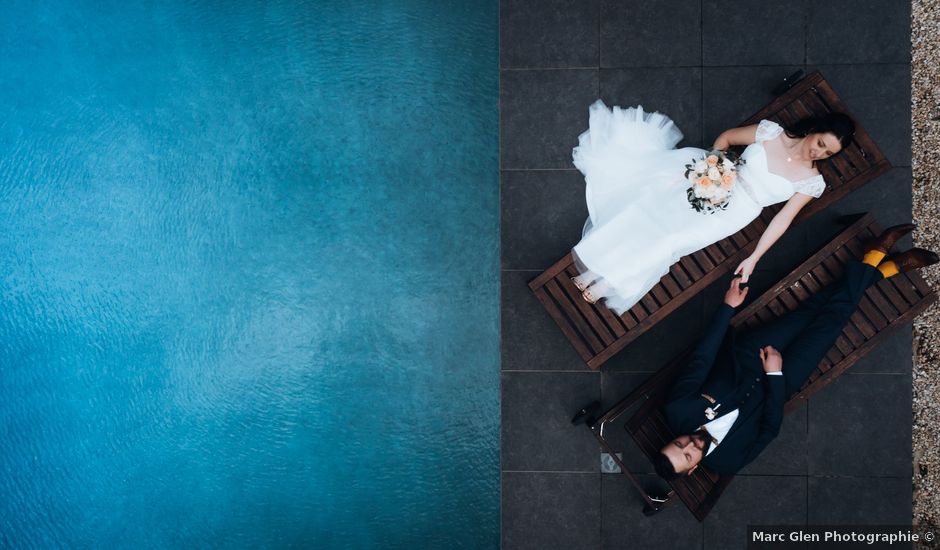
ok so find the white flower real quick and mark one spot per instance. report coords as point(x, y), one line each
point(700, 166)
point(713, 173)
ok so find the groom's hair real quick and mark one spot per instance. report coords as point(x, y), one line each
point(664, 468)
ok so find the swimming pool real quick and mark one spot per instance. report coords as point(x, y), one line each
point(249, 274)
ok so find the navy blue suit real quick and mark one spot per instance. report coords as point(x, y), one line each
point(728, 368)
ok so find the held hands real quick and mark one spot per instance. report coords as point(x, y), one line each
point(745, 268)
point(735, 295)
point(773, 361)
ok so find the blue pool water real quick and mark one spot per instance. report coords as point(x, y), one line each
point(248, 257)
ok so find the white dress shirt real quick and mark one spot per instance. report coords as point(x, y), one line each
point(719, 427)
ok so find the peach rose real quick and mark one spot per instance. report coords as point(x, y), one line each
point(704, 181)
point(727, 180)
point(712, 160)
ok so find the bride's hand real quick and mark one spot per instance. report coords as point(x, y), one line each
point(745, 268)
point(721, 143)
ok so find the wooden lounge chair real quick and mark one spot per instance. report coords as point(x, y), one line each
point(598, 333)
point(888, 305)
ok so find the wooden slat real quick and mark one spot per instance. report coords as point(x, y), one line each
point(844, 346)
point(862, 324)
point(670, 284)
point(628, 320)
point(590, 315)
point(854, 336)
point(639, 312)
point(611, 321)
point(572, 312)
point(659, 293)
point(727, 246)
point(871, 312)
point(691, 267)
point(562, 321)
point(885, 307)
point(552, 272)
point(680, 275)
point(904, 288)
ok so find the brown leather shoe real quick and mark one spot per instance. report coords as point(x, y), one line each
point(889, 236)
point(914, 258)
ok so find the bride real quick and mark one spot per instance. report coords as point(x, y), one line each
point(640, 221)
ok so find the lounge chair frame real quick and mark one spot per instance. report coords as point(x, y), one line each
point(598, 333)
point(886, 306)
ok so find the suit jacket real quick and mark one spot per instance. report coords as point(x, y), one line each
point(735, 380)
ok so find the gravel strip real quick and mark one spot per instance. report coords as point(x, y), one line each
point(925, 122)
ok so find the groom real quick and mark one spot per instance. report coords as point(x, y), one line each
point(728, 401)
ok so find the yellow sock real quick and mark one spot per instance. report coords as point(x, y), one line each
point(873, 258)
point(888, 269)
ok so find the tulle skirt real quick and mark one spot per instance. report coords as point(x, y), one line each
point(639, 219)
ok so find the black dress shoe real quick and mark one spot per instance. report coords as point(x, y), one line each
point(889, 236)
point(914, 258)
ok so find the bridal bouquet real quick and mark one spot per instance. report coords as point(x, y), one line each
point(711, 180)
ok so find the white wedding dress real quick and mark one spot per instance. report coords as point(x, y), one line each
point(640, 221)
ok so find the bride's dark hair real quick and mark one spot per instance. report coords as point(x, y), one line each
point(837, 124)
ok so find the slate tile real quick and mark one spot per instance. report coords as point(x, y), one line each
point(625, 526)
point(754, 500)
point(853, 31)
point(740, 32)
point(543, 213)
point(660, 344)
point(859, 425)
point(548, 33)
point(788, 252)
point(879, 96)
point(530, 338)
point(545, 511)
point(654, 33)
point(542, 113)
point(888, 198)
point(615, 386)
point(536, 421)
point(892, 356)
point(675, 92)
point(733, 94)
point(860, 500)
point(787, 454)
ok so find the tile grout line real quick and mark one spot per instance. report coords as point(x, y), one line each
point(555, 371)
point(806, 480)
point(806, 18)
point(600, 481)
point(701, 28)
point(703, 65)
point(579, 472)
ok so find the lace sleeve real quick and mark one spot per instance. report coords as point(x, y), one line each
point(768, 129)
point(813, 186)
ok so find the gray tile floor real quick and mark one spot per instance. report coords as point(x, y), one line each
point(708, 64)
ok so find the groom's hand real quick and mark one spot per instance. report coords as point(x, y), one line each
point(773, 361)
point(735, 294)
